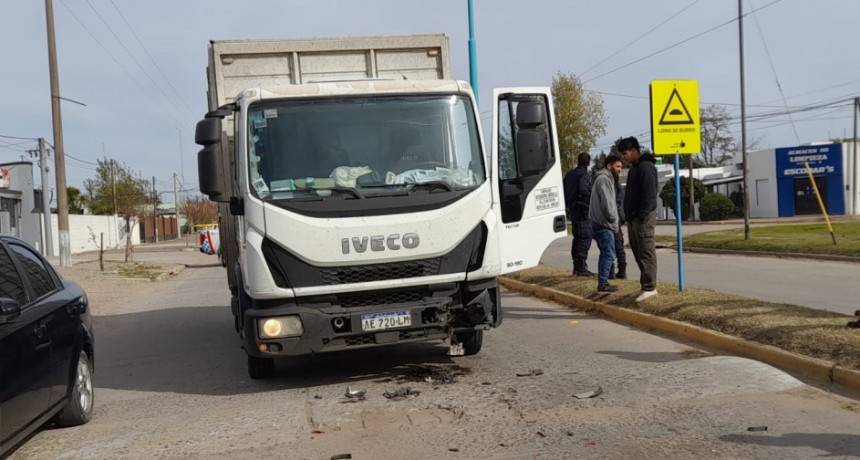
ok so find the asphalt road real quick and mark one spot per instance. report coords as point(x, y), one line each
point(823, 285)
point(171, 383)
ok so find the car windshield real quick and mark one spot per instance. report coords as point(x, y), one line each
point(363, 147)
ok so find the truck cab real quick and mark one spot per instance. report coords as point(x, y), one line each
point(366, 212)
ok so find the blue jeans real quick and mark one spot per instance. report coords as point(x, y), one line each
point(605, 239)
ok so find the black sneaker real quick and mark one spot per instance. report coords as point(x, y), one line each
point(607, 288)
point(621, 275)
point(583, 273)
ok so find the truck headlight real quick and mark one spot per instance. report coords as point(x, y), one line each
point(279, 327)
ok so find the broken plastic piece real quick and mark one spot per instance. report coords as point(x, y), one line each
point(453, 449)
point(541, 434)
point(456, 349)
point(757, 428)
point(590, 394)
point(354, 394)
point(341, 457)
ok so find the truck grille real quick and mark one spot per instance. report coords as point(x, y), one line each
point(381, 272)
point(380, 298)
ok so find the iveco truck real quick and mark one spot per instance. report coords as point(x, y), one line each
point(358, 205)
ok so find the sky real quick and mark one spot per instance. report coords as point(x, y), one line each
point(139, 67)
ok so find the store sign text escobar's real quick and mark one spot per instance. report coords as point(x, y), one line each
point(819, 158)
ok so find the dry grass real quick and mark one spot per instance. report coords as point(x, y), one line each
point(814, 333)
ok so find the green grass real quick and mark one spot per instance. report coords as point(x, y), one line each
point(810, 332)
point(800, 238)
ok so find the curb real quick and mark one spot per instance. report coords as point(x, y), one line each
point(774, 255)
point(812, 368)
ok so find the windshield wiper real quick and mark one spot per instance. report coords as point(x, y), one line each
point(433, 185)
point(349, 190)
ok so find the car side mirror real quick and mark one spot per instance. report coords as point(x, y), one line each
point(9, 310)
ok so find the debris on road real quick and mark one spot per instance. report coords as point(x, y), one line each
point(354, 394)
point(541, 434)
point(453, 449)
point(530, 373)
point(401, 393)
point(589, 394)
point(431, 374)
point(317, 397)
point(341, 457)
point(757, 428)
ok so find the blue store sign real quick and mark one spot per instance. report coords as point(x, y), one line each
point(794, 190)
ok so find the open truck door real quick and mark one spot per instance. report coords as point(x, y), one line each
point(528, 194)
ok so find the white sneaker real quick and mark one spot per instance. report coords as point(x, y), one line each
point(646, 295)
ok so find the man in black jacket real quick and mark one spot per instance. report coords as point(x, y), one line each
point(577, 196)
point(640, 209)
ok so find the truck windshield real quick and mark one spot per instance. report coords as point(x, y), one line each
point(363, 147)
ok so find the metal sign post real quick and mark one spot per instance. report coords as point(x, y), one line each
point(676, 130)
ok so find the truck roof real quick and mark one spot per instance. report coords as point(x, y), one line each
point(358, 87)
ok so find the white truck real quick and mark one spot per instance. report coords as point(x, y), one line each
point(358, 206)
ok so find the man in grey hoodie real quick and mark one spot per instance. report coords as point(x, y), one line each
point(603, 213)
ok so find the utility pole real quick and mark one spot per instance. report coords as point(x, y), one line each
point(176, 205)
point(692, 193)
point(856, 157)
point(46, 200)
point(59, 152)
point(154, 210)
point(744, 124)
point(113, 186)
point(473, 51)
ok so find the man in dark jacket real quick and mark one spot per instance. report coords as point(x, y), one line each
point(640, 209)
point(577, 196)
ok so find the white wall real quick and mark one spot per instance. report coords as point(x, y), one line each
point(762, 183)
point(83, 229)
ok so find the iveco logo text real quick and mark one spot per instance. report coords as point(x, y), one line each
point(380, 242)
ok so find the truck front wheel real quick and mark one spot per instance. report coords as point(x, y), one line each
point(471, 341)
point(260, 368)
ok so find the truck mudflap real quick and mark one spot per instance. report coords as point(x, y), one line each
point(336, 329)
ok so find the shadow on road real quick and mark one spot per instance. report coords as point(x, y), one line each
point(194, 350)
point(832, 443)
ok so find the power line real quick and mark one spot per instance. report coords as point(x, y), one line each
point(145, 72)
point(635, 40)
point(679, 43)
point(118, 63)
point(20, 138)
point(773, 69)
point(139, 42)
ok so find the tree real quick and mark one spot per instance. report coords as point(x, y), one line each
point(77, 200)
point(116, 190)
point(667, 194)
point(718, 144)
point(199, 210)
point(579, 115)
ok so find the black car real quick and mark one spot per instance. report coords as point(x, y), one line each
point(46, 346)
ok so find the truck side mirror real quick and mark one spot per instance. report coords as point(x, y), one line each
point(208, 131)
point(532, 143)
point(209, 173)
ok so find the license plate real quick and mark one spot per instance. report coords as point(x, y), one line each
point(387, 320)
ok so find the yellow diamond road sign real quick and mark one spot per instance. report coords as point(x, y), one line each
point(675, 126)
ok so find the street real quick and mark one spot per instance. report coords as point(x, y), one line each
point(171, 382)
point(823, 285)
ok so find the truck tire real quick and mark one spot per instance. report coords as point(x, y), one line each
point(260, 368)
point(471, 341)
point(78, 409)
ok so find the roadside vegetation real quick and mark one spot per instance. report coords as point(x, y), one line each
point(811, 238)
point(814, 333)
